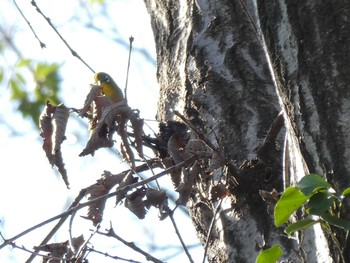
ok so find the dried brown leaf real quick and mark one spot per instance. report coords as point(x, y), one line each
point(137, 125)
point(217, 161)
point(57, 250)
point(99, 104)
point(175, 174)
point(176, 146)
point(135, 203)
point(184, 190)
point(98, 139)
point(109, 180)
point(185, 187)
point(125, 148)
point(95, 212)
point(58, 161)
point(77, 242)
point(46, 133)
point(128, 179)
point(59, 122)
point(46, 130)
point(154, 197)
point(102, 133)
point(95, 91)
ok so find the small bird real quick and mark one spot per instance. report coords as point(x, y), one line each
point(109, 87)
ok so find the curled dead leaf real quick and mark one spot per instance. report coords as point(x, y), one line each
point(95, 211)
point(217, 161)
point(135, 203)
point(59, 122)
point(53, 122)
point(128, 179)
point(137, 125)
point(94, 92)
point(56, 250)
point(154, 197)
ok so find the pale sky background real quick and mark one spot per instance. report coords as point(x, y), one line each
point(31, 191)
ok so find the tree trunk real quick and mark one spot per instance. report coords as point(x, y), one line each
point(230, 67)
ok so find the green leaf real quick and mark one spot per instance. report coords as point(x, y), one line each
point(289, 202)
point(346, 191)
point(270, 255)
point(336, 221)
point(311, 183)
point(319, 203)
point(23, 63)
point(300, 225)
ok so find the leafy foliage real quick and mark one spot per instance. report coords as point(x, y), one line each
point(320, 201)
point(270, 255)
point(31, 99)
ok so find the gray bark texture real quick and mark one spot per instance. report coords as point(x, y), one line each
point(231, 67)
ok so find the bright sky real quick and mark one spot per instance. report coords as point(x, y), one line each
point(31, 191)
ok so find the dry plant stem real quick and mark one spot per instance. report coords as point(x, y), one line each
point(131, 245)
point(199, 134)
point(70, 231)
point(131, 39)
point(212, 223)
point(57, 226)
point(170, 213)
point(63, 216)
point(82, 248)
point(74, 53)
point(42, 45)
point(113, 257)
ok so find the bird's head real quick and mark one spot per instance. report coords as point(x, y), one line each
point(101, 77)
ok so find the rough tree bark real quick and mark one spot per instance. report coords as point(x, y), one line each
point(230, 67)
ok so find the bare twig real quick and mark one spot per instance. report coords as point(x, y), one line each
point(48, 20)
point(210, 230)
point(35, 252)
point(170, 213)
point(42, 45)
point(131, 39)
point(131, 245)
point(113, 257)
point(199, 134)
point(80, 252)
point(63, 216)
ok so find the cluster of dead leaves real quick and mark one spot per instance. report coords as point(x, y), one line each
point(106, 118)
point(138, 201)
point(64, 251)
point(180, 147)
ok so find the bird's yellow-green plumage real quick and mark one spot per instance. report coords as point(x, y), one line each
point(109, 87)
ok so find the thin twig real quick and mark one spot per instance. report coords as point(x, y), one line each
point(113, 257)
point(79, 206)
point(36, 253)
point(199, 134)
point(42, 44)
point(70, 231)
point(131, 39)
point(74, 53)
point(170, 213)
point(80, 252)
point(131, 245)
point(217, 209)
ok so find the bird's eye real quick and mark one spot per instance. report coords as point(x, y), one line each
point(106, 79)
